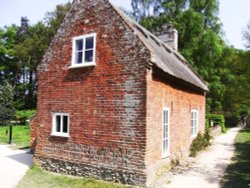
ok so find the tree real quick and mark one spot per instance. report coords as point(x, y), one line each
point(33, 42)
point(141, 8)
point(54, 19)
point(237, 97)
point(21, 50)
point(246, 36)
point(30, 48)
point(153, 8)
point(8, 63)
point(6, 102)
point(209, 9)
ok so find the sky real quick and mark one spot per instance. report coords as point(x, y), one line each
point(234, 14)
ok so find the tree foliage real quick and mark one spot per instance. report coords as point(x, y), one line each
point(8, 67)
point(54, 19)
point(246, 36)
point(21, 49)
point(237, 95)
point(6, 102)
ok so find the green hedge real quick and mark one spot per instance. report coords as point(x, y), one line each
point(218, 119)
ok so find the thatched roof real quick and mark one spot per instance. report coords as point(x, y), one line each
point(164, 57)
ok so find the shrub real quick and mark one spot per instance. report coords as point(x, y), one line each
point(207, 134)
point(207, 138)
point(25, 115)
point(200, 142)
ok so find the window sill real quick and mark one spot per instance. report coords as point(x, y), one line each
point(60, 135)
point(194, 136)
point(165, 156)
point(82, 65)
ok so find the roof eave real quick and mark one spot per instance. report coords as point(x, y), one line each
point(202, 87)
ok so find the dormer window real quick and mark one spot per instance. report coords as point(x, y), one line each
point(83, 51)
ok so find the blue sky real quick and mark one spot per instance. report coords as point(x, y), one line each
point(234, 14)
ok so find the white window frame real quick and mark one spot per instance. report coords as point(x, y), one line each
point(194, 122)
point(83, 64)
point(165, 137)
point(54, 131)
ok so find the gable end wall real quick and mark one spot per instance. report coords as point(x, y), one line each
point(106, 103)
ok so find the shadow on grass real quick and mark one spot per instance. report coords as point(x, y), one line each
point(237, 174)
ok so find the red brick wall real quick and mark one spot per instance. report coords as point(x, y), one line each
point(106, 103)
point(162, 93)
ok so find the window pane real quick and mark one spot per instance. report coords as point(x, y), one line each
point(166, 131)
point(58, 123)
point(65, 124)
point(165, 117)
point(165, 136)
point(79, 45)
point(166, 145)
point(89, 56)
point(89, 43)
point(78, 57)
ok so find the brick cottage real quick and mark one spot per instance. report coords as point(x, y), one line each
point(114, 101)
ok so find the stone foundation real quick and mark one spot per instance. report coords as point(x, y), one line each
point(87, 170)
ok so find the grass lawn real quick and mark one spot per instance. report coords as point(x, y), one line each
point(238, 173)
point(21, 136)
point(38, 178)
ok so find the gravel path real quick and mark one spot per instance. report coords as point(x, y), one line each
point(208, 168)
point(13, 165)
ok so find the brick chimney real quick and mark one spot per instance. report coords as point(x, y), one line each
point(169, 35)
